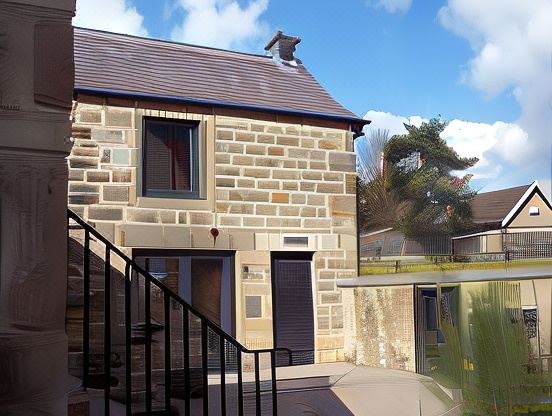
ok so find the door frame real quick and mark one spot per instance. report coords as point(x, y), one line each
point(226, 255)
point(300, 256)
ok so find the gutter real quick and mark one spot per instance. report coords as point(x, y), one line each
point(356, 122)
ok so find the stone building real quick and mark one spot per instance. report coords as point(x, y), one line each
point(229, 175)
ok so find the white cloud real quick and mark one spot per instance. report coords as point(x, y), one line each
point(501, 147)
point(222, 24)
point(512, 44)
point(391, 6)
point(111, 15)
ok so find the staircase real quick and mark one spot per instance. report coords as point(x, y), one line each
point(137, 348)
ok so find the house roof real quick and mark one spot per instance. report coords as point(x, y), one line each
point(133, 67)
point(493, 207)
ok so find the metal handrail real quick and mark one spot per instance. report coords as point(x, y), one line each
point(168, 295)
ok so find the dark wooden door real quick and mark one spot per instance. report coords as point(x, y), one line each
point(293, 309)
point(206, 287)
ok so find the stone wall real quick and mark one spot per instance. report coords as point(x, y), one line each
point(264, 180)
point(385, 335)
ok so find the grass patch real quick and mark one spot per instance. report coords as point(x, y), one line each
point(382, 267)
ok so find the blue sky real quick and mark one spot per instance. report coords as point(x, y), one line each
point(483, 65)
point(403, 63)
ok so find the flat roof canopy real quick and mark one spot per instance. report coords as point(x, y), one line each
point(456, 276)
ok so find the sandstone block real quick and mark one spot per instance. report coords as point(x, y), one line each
point(276, 151)
point(241, 208)
point(265, 209)
point(83, 187)
point(256, 173)
point(122, 175)
point(83, 162)
point(257, 127)
point(317, 200)
point(318, 165)
point(298, 153)
point(201, 218)
point(288, 211)
point(245, 136)
point(255, 150)
point(116, 193)
point(89, 115)
point(230, 221)
point(342, 205)
point(280, 198)
point(118, 117)
point(308, 212)
point(329, 188)
point(253, 222)
point(317, 223)
point(97, 176)
point(76, 174)
point(298, 198)
point(222, 158)
point(269, 185)
point(85, 151)
point(275, 129)
point(333, 177)
point(307, 143)
point(330, 297)
point(285, 174)
point(81, 133)
point(268, 162)
point(105, 213)
point(227, 170)
point(108, 136)
point(290, 186)
point(328, 144)
point(225, 182)
point(247, 195)
point(283, 222)
point(310, 175)
point(266, 138)
point(345, 162)
point(176, 236)
point(246, 183)
point(287, 141)
point(224, 134)
point(308, 186)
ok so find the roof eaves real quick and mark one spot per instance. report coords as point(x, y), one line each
point(220, 103)
point(510, 216)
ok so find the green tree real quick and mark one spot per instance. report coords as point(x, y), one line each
point(423, 170)
point(379, 206)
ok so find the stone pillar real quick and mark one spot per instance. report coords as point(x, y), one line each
point(36, 82)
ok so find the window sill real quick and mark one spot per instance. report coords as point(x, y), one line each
point(174, 203)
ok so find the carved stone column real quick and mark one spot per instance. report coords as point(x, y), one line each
point(36, 82)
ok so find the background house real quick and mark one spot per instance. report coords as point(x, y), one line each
point(231, 176)
point(516, 222)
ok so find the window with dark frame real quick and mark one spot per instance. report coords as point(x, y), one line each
point(170, 159)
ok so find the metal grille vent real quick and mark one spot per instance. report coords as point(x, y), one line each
point(296, 241)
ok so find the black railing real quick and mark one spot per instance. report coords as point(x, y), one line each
point(195, 328)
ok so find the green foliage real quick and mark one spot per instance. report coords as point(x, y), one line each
point(420, 172)
point(499, 378)
point(379, 206)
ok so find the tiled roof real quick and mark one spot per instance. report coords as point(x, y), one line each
point(121, 64)
point(491, 207)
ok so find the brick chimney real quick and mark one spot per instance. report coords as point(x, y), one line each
point(281, 47)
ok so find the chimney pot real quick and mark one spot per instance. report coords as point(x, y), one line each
point(282, 46)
